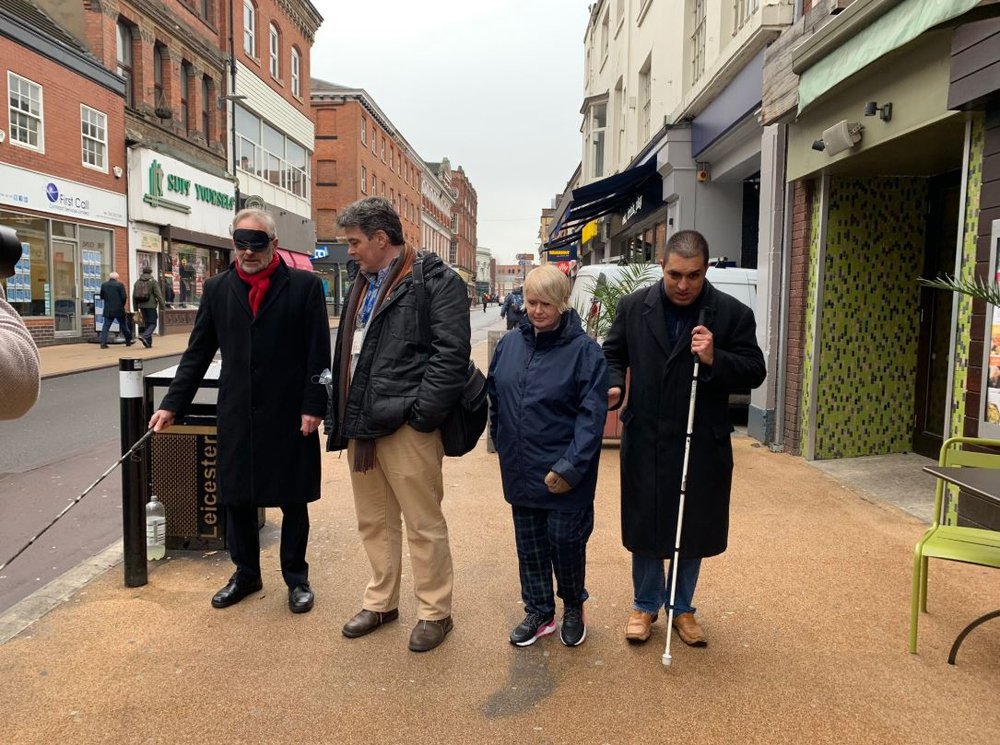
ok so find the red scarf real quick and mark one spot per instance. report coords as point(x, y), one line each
point(258, 282)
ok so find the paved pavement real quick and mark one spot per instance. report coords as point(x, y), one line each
point(807, 617)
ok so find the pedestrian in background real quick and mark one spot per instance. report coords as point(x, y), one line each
point(270, 323)
point(513, 308)
point(390, 395)
point(147, 297)
point(654, 338)
point(19, 365)
point(548, 397)
point(115, 299)
point(486, 299)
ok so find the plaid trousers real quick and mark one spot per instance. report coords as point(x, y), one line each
point(552, 541)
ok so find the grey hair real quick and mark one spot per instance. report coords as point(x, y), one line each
point(260, 216)
point(687, 244)
point(371, 214)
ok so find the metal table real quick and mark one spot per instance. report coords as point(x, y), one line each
point(985, 483)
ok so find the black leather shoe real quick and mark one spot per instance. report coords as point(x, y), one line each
point(367, 621)
point(130, 342)
point(429, 634)
point(104, 346)
point(300, 598)
point(235, 591)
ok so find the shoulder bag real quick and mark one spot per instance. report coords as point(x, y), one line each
point(466, 422)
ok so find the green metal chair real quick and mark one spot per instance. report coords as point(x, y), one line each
point(969, 545)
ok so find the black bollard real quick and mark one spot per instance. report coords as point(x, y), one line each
point(134, 472)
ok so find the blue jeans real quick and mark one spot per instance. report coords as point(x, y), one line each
point(652, 591)
point(149, 317)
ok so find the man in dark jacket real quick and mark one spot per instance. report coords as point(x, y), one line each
point(115, 299)
point(390, 396)
point(270, 323)
point(655, 335)
point(513, 307)
point(147, 297)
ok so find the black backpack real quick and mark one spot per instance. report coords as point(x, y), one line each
point(466, 422)
point(143, 290)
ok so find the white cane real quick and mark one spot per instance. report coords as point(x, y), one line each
point(680, 507)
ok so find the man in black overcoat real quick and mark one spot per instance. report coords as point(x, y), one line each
point(115, 298)
point(270, 323)
point(654, 338)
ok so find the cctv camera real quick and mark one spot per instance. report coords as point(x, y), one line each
point(841, 136)
point(819, 145)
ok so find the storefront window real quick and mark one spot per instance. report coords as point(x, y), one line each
point(95, 256)
point(183, 274)
point(29, 290)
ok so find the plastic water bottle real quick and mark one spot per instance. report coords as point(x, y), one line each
point(156, 529)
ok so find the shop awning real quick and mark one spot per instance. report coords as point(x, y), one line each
point(611, 194)
point(295, 260)
point(899, 26)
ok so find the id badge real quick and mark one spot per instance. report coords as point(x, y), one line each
point(357, 341)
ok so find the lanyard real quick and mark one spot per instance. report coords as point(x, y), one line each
point(370, 297)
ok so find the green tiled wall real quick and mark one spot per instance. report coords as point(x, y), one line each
point(870, 317)
point(963, 333)
point(807, 360)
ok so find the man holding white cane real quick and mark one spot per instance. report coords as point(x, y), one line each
point(656, 335)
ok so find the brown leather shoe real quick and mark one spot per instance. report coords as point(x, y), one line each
point(428, 634)
point(689, 630)
point(639, 626)
point(367, 621)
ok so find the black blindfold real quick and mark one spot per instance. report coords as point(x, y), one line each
point(252, 240)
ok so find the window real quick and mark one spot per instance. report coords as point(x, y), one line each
point(743, 10)
point(274, 45)
point(604, 35)
point(124, 53)
point(383, 148)
point(207, 97)
point(598, 125)
point(186, 75)
point(698, 41)
point(160, 102)
point(364, 180)
point(373, 140)
point(265, 152)
point(364, 131)
point(620, 112)
point(645, 100)
point(205, 10)
point(249, 28)
point(374, 185)
point(296, 62)
point(94, 130)
point(25, 112)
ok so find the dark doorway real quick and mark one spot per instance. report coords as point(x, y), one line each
point(751, 221)
point(944, 201)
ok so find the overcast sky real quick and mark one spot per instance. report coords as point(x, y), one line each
point(493, 85)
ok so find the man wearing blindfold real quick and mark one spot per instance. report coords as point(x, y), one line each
point(270, 323)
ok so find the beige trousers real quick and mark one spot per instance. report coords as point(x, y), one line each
point(405, 484)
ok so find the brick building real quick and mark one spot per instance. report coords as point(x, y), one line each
point(61, 168)
point(359, 153)
point(462, 252)
point(438, 199)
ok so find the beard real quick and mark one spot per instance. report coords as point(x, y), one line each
point(253, 263)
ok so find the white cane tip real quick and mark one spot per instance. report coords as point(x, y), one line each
point(666, 659)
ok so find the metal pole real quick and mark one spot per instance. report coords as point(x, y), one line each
point(134, 472)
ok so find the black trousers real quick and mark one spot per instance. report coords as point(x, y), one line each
point(244, 542)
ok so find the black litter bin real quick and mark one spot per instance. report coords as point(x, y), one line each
point(183, 466)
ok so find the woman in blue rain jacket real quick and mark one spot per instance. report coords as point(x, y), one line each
point(548, 388)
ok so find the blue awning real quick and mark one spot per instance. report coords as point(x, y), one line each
point(600, 198)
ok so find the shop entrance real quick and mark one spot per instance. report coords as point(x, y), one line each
point(65, 288)
point(931, 396)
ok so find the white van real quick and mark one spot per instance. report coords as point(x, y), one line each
point(735, 281)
